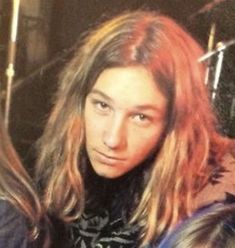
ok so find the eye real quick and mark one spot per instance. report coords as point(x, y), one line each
point(141, 118)
point(101, 105)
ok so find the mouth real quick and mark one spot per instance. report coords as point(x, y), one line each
point(107, 159)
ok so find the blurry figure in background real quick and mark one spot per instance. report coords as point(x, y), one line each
point(131, 146)
point(20, 209)
point(213, 227)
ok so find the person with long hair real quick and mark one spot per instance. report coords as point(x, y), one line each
point(132, 144)
point(213, 227)
point(20, 209)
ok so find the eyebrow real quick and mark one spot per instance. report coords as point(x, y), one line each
point(100, 93)
point(148, 107)
point(141, 107)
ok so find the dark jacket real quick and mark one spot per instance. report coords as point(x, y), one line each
point(13, 229)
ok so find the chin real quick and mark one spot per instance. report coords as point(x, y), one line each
point(108, 174)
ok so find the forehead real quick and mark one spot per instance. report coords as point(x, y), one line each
point(129, 86)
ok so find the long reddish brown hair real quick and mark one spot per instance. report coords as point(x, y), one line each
point(181, 168)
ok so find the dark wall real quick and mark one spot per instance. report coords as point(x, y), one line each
point(73, 17)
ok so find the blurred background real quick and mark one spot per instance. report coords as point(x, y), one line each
point(49, 29)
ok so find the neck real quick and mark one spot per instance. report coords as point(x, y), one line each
point(122, 193)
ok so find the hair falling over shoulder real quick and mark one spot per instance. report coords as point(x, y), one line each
point(190, 140)
point(16, 186)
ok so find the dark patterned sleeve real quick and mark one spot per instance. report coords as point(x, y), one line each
point(13, 230)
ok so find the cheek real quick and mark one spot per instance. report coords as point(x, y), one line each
point(93, 126)
point(142, 144)
point(89, 124)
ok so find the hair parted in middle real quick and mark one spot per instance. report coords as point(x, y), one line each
point(180, 169)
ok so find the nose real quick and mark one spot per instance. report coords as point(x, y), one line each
point(114, 136)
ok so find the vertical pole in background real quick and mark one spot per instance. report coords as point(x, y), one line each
point(10, 71)
point(218, 69)
point(210, 46)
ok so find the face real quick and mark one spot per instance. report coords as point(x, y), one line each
point(124, 119)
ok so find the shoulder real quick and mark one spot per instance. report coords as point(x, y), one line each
point(13, 228)
point(9, 215)
point(222, 187)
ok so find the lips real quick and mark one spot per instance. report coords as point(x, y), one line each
point(107, 159)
